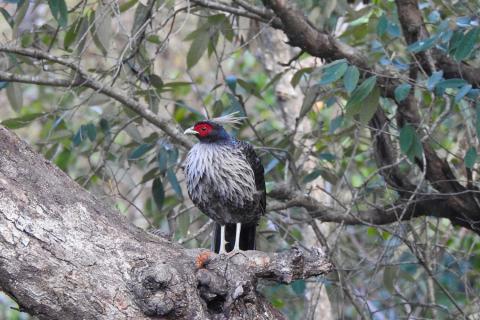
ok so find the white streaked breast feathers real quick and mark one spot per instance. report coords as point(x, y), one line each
point(219, 172)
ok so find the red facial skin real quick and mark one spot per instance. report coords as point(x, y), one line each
point(203, 129)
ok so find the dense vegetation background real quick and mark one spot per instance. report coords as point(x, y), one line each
point(368, 133)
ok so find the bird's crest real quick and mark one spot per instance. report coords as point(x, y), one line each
point(231, 119)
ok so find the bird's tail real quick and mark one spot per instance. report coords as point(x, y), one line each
point(247, 236)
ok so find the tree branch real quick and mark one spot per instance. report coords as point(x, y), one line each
point(421, 205)
point(251, 12)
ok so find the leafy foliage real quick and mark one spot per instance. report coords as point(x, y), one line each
point(184, 63)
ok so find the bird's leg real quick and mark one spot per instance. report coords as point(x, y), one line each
point(222, 240)
point(238, 228)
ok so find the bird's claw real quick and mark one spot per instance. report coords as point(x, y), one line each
point(234, 252)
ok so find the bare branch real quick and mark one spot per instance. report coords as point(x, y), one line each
point(419, 205)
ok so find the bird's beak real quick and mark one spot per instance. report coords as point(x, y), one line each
point(190, 131)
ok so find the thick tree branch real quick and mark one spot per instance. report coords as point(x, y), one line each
point(301, 33)
point(84, 79)
point(66, 255)
point(421, 205)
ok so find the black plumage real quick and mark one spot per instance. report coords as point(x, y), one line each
point(225, 180)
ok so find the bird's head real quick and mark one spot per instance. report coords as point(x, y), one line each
point(208, 131)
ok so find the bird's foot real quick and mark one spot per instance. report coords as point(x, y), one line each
point(234, 252)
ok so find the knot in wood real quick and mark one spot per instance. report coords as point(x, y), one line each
point(211, 285)
point(160, 304)
point(156, 289)
point(158, 277)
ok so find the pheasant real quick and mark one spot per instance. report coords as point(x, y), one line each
point(225, 180)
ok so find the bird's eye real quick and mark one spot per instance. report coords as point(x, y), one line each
point(203, 129)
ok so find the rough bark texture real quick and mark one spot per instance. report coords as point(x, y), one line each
point(66, 255)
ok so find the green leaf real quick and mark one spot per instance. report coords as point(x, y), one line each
point(127, 5)
point(158, 192)
point(382, 25)
point(91, 131)
point(15, 96)
point(105, 127)
point(451, 83)
point(311, 96)
point(423, 44)
point(153, 173)
point(102, 28)
point(22, 9)
point(350, 80)
point(470, 158)
point(250, 87)
point(354, 104)
point(327, 156)
point(455, 41)
point(231, 82)
point(51, 151)
point(79, 136)
point(20, 122)
point(467, 44)
point(463, 92)
point(162, 157)
point(227, 30)
point(197, 49)
point(333, 72)
point(140, 151)
point(311, 176)
point(172, 178)
point(81, 36)
point(298, 287)
point(410, 143)
point(156, 81)
point(406, 138)
point(369, 106)
point(335, 123)
point(454, 83)
point(142, 13)
point(177, 84)
point(402, 91)
point(7, 17)
point(62, 159)
point(72, 33)
point(59, 11)
point(235, 104)
point(389, 276)
point(273, 80)
point(299, 74)
point(434, 79)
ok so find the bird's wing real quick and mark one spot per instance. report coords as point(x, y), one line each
point(258, 171)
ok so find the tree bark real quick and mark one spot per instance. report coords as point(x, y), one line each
point(66, 255)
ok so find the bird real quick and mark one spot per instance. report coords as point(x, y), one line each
point(225, 180)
